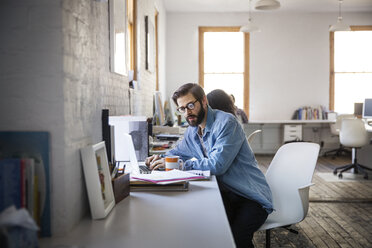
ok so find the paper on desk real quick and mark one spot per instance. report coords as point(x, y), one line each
point(205, 174)
point(168, 177)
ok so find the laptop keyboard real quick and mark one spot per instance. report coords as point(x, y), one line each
point(144, 169)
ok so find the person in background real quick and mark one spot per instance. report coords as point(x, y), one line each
point(219, 99)
point(215, 141)
point(240, 114)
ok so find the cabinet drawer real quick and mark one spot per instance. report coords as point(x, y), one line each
point(292, 128)
point(292, 132)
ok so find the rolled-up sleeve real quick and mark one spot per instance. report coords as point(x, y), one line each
point(183, 149)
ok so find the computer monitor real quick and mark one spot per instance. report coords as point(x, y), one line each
point(367, 108)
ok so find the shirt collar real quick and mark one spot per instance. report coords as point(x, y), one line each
point(210, 119)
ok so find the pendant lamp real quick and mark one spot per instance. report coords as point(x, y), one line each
point(267, 4)
point(339, 26)
point(249, 27)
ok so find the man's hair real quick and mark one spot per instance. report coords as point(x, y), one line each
point(185, 89)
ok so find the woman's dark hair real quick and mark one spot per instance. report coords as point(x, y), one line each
point(218, 99)
point(185, 89)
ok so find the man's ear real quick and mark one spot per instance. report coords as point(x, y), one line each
point(205, 101)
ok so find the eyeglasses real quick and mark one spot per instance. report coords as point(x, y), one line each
point(189, 106)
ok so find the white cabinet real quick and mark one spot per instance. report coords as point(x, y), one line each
point(292, 132)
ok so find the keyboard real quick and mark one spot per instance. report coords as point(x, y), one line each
point(144, 169)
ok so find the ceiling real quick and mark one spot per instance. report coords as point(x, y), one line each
point(286, 6)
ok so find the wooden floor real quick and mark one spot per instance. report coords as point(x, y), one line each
point(340, 212)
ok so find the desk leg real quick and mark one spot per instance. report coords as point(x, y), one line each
point(261, 136)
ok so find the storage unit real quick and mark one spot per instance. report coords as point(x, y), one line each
point(292, 132)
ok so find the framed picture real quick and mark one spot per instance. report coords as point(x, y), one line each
point(118, 36)
point(98, 180)
point(150, 44)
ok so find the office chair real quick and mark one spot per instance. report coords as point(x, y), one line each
point(250, 137)
point(289, 177)
point(335, 131)
point(353, 134)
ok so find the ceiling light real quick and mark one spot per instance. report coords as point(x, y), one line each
point(249, 27)
point(339, 26)
point(267, 4)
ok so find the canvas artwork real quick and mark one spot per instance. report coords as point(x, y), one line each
point(98, 180)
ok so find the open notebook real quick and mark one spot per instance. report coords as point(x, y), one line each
point(168, 177)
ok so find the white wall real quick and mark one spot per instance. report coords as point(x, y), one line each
point(289, 58)
point(144, 97)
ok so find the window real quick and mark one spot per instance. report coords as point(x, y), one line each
point(350, 68)
point(118, 34)
point(122, 36)
point(224, 62)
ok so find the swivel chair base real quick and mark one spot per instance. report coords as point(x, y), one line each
point(357, 167)
point(337, 152)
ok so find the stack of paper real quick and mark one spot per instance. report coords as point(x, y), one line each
point(168, 177)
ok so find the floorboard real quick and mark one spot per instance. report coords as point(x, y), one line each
point(340, 212)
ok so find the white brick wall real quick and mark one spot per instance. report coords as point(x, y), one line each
point(89, 86)
point(54, 76)
point(144, 100)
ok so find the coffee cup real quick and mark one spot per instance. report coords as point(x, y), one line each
point(173, 162)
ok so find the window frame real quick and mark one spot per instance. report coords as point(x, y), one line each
point(131, 15)
point(332, 63)
point(202, 30)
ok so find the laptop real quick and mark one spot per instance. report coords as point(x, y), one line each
point(132, 166)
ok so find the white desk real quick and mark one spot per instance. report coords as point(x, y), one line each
point(291, 121)
point(272, 136)
point(364, 154)
point(158, 219)
point(368, 128)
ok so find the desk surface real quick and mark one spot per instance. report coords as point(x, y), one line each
point(368, 128)
point(158, 219)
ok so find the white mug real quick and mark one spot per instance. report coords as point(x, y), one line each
point(173, 162)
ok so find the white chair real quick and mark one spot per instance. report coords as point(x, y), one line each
point(335, 131)
point(353, 134)
point(252, 135)
point(289, 177)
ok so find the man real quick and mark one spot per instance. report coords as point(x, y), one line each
point(217, 141)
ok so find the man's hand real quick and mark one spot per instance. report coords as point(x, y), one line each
point(155, 162)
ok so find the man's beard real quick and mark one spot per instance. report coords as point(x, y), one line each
point(199, 118)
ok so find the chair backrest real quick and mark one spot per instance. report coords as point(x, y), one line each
point(353, 133)
point(291, 168)
point(252, 135)
point(335, 127)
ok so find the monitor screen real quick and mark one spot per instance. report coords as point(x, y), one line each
point(367, 108)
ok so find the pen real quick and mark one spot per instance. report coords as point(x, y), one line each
point(114, 171)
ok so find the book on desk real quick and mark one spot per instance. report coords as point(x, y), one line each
point(174, 180)
point(142, 186)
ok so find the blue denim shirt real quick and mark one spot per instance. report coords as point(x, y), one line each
point(229, 157)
